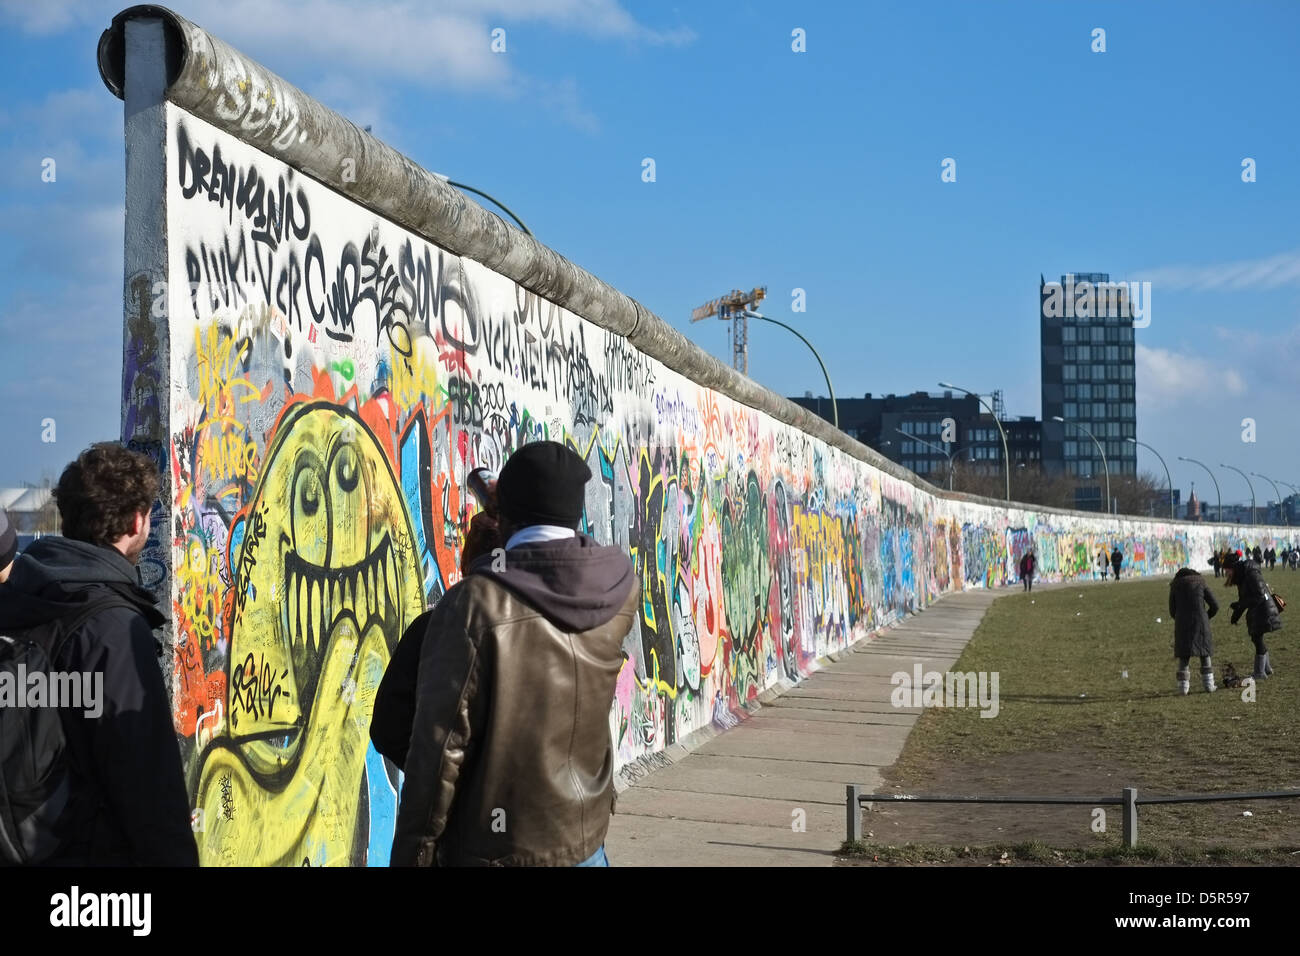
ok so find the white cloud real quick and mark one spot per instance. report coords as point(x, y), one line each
point(1166, 378)
point(1272, 272)
point(53, 16)
point(432, 46)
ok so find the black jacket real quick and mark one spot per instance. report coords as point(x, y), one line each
point(129, 805)
point(390, 725)
point(1191, 605)
point(1255, 600)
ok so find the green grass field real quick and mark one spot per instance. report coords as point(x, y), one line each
point(1071, 722)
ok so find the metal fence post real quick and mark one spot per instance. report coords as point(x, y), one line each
point(853, 812)
point(1130, 817)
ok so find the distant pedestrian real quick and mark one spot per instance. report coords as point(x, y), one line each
point(8, 545)
point(1255, 600)
point(1258, 556)
point(1116, 559)
point(1028, 565)
point(1103, 563)
point(1215, 562)
point(1191, 605)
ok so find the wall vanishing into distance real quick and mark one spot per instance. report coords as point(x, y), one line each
point(321, 380)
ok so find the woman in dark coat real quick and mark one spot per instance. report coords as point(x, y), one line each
point(1254, 600)
point(1191, 605)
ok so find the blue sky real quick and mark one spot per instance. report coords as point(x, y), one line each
point(817, 170)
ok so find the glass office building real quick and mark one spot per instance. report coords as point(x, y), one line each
point(1088, 379)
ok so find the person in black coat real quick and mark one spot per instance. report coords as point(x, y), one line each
point(1255, 600)
point(1028, 565)
point(1116, 560)
point(127, 802)
point(1191, 605)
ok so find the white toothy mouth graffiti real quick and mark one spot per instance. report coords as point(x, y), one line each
point(317, 597)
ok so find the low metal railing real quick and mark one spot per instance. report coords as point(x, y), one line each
point(1128, 800)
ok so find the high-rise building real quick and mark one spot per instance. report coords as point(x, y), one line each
point(1086, 327)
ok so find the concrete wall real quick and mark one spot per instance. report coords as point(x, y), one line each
point(326, 379)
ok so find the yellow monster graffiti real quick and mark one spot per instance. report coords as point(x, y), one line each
point(325, 581)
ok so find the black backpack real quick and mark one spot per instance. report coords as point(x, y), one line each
point(35, 786)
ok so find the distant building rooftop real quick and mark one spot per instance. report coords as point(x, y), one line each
point(24, 500)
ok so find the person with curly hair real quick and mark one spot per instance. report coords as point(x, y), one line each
point(126, 800)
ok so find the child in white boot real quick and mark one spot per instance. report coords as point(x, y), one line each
point(1191, 605)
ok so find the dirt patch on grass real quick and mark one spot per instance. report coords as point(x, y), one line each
point(1076, 772)
point(1066, 773)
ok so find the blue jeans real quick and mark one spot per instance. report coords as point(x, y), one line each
point(596, 859)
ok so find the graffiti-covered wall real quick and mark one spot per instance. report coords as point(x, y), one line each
point(326, 380)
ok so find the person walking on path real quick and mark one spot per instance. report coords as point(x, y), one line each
point(1255, 600)
point(1103, 562)
point(1191, 605)
point(1116, 559)
point(510, 761)
point(116, 796)
point(1028, 564)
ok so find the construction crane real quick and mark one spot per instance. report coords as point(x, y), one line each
point(733, 307)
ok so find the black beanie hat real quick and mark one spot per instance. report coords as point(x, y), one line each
point(8, 540)
point(543, 482)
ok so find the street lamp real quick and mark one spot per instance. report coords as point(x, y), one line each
point(1006, 455)
point(1104, 466)
point(1248, 482)
point(947, 454)
point(835, 408)
point(1167, 478)
point(491, 199)
point(1218, 514)
point(1277, 491)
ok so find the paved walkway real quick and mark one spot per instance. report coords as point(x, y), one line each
point(732, 801)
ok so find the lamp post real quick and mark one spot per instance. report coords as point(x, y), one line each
point(1006, 455)
point(835, 408)
point(1278, 492)
point(491, 199)
point(1249, 483)
point(947, 454)
point(1167, 477)
point(1218, 514)
point(1104, 466)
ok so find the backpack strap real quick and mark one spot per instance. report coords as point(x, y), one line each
point(53, 635)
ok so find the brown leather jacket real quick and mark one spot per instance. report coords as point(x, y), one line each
point(511, 760)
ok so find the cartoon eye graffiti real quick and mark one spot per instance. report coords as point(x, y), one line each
point(347, 469)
